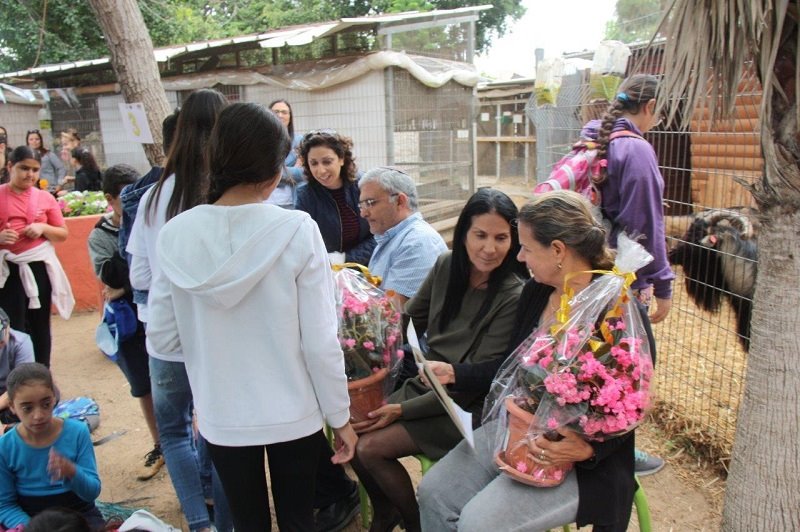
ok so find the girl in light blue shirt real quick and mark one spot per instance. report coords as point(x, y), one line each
point(45, 461)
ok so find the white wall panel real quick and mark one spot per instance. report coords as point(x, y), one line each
point(356, 109)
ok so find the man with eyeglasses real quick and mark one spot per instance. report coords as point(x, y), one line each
point(15, 348)
point(407, 246)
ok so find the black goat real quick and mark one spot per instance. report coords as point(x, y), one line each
point(719, 256)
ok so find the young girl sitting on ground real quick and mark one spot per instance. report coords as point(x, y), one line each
point(45, 461)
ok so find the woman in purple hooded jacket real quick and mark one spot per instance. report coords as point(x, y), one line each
point(632, 194)
point(632, 188)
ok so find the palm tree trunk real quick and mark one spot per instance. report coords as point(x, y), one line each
point(763, 489)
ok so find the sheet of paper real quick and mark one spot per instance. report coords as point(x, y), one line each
point(413, 341)
point(461, 418)
point(134, 122)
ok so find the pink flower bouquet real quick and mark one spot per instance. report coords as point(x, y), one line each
point(369, 325)
point(590, 371)
point(370, 335)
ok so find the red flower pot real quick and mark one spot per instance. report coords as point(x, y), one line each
point(515, 459)
point(366, 394)
point(73, 254)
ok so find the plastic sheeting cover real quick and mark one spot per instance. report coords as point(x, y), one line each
point(325, 73)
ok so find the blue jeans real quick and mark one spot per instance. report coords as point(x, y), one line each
point(172, 401)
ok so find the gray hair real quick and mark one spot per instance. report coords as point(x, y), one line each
point(393, 181)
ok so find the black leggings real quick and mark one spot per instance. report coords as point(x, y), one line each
point(292, 472)
point(34, 321)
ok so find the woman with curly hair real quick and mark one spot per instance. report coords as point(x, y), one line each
point(331, 194)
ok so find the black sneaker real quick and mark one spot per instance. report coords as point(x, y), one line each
point(339, 514)
point(153, 462)
point(646, 464)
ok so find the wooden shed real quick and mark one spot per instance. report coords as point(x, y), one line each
point(728, 149)
point(711, 159)
point(703, 166)
point(401, 85)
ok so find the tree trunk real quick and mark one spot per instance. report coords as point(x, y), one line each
point(763, 489)
point(131, 50)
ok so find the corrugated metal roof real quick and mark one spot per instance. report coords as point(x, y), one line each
point(291, 36)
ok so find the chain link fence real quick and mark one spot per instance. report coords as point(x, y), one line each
point(712, 233)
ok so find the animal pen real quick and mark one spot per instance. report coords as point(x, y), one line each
point(401, 85)
point(702, 344)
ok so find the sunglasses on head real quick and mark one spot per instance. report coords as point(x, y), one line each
point(320, 132)
point(33, 131)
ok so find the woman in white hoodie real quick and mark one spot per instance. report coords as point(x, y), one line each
point(247, 295)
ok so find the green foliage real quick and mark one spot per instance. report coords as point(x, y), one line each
point(82, 203)
point(636, 20)
point(71, 32)
point(491, 23)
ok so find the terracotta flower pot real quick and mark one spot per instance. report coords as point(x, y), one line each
point(366, 394)
point(73, 254)
point(515, 459)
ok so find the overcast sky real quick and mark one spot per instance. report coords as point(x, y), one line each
point(558, 26)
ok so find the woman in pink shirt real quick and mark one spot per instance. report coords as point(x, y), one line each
point(30, 275)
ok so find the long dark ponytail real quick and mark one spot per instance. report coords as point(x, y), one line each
point(186, 158)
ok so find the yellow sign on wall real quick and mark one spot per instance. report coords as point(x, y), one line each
point(134, 121)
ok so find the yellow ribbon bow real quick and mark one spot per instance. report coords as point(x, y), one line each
point(562, 316)
point(372, 279)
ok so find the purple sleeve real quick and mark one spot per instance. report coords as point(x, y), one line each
point(632, 199)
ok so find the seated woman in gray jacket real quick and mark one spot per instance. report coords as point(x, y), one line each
point(466, 307)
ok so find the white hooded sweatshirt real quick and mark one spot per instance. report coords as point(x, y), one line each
point(247, 294)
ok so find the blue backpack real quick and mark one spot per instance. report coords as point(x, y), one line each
point(83, 409)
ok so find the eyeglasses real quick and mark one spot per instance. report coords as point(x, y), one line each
point(282, 112)
point(370, 203)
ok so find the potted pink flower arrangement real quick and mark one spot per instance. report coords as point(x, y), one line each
point(589, 374)
point(370, 335)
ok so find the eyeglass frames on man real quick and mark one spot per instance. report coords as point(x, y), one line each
point(370, 202)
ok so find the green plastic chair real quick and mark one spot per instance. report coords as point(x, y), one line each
point(642, 510)
point(425, 462)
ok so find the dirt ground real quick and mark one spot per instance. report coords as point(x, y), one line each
point(682, 497)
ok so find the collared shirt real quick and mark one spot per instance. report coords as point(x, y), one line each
point(405, 254)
